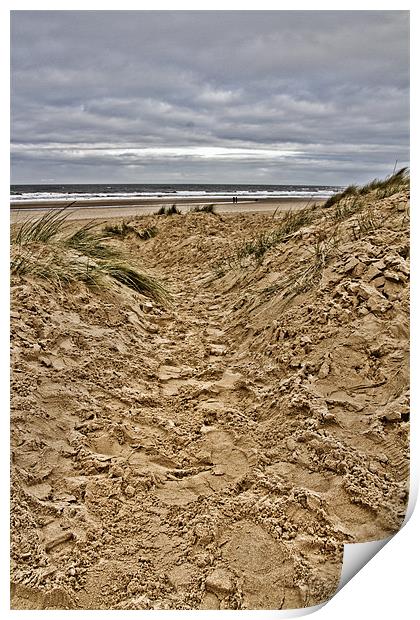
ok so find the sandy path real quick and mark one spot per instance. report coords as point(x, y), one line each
point(154, 511)
point(214, 453)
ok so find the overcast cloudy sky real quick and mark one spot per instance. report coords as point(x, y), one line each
point(209, 96)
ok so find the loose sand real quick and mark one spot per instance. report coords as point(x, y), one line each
point(217, 452)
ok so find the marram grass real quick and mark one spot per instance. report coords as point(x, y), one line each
point(203, 209)
point(394, 183)
point(172, 210)
point(123, 230)
point(44, 247)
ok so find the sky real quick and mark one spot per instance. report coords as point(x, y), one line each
point(266, 97)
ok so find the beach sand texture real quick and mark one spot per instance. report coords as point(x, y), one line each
point(106, 209)
point(215, 451)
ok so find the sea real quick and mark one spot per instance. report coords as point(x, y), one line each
point(68, 192)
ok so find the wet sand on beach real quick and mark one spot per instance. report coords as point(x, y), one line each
point(105, 209)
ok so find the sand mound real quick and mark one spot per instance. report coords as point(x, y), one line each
point(216, 452)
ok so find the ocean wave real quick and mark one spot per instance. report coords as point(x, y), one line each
point(65, 197)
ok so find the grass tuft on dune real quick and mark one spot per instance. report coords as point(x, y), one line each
point(383, 188)
point(204, 209)
point(124, 230)
point(256, 248)
point(172, 210)
point(47, 248)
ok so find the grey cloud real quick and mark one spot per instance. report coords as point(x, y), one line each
point(332, 86)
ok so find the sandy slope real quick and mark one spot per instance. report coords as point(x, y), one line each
point(217, 452)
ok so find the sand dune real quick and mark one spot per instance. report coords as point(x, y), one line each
point(214, 451)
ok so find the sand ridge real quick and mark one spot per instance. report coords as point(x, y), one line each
point(216, 452)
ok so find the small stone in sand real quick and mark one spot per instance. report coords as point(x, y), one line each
point(219, 582)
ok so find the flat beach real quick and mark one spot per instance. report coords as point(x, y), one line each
point(129, 207)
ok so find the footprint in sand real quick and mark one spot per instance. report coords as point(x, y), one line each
point(229, 463)
point(174, 378)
